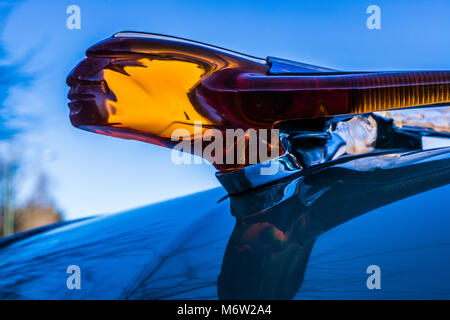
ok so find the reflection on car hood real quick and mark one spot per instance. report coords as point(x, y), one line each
point(309, 236)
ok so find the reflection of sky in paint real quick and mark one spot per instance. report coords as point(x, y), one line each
point(92, 174)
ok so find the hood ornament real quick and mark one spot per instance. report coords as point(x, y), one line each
point(146, 86)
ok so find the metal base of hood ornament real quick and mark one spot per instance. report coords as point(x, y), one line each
point(311, 144)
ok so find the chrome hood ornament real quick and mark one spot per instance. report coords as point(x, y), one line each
point(146, 86)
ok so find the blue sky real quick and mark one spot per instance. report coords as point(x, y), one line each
point(93, 174)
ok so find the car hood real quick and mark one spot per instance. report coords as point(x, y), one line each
point(311, 236)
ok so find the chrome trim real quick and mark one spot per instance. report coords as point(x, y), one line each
point(279, 66)
point(250, 177)
point(331, 142)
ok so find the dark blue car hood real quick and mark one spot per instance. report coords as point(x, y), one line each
point(200, 246)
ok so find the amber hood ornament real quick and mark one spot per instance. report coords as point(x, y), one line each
point(145, 86)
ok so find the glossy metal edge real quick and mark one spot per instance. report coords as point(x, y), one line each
point(148, 35)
